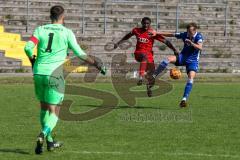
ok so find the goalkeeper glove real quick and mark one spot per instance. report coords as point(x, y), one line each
point(103, 70)
point(100, 67)
point(32, 60)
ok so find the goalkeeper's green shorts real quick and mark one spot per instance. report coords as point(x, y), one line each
point(49, 89)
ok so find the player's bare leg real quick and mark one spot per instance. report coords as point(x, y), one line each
point(150, 70)
point(188, 88)
point(142, 68)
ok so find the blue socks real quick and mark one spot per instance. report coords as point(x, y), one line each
point(162, 66)
point(188, 89)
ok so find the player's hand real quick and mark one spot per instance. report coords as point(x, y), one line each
point(100, 67)
point(32, 60)
point(188, 42)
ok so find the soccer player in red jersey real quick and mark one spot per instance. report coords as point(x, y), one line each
point(143, 53)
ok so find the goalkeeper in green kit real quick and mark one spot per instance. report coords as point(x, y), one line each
point(53, 41)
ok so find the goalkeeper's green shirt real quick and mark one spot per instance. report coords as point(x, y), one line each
point(53, 42)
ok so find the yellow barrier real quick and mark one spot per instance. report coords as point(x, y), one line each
point(13, 46)
point(18, 54)
point(1, 29)
point(73, 69)
point(10, 36)
point(68, 67)
point(9, 45)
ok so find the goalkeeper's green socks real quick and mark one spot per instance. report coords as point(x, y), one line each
point(44, 116)
point(50, 124)
point(49, 138)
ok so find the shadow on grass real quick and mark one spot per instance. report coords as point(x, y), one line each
point(135, 107)
point(18, 151)
point(150, 107)
point(219, 97)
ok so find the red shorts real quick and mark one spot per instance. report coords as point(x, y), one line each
point(142, 56)
point(146, 62)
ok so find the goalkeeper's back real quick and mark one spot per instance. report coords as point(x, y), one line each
point(53, 41)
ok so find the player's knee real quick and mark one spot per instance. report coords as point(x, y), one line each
point(171, 59)
point(53, 108)
point(190, 80)
point(191, 74)
point(142, 57)
point(57, 111)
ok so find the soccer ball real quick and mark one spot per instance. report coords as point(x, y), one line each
point(175, 73)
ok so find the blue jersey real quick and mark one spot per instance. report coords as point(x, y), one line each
point(189, 53)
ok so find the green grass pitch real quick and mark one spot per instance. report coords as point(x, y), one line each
point(155, 129)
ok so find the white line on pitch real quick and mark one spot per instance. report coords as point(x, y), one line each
point(164, 153)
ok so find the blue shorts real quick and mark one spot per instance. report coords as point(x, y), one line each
point(190, 66)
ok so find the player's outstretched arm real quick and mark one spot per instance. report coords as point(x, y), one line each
point(98, 65)
point(170, 45)
point(83, 56)
point(166, 34)
point(166, 42)
point(126, 37)
point(72, 43)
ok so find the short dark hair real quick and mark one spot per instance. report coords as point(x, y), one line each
point(192, 24)
point(56, 12)
point(146, 18)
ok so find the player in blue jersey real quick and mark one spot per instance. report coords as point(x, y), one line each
point(189, 57)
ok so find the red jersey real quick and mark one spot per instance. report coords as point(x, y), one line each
point(144, 41)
